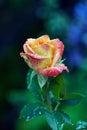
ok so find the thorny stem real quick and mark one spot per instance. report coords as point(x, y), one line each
point(48, 98)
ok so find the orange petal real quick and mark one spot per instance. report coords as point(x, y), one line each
point(43, 39)
point(35, 61)
point(53, 71)
point(37, 57)
point(23, 55)
point(59, 48)
point(38, 62)
point(27, 49)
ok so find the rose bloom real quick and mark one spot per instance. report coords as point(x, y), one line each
point(44, 55)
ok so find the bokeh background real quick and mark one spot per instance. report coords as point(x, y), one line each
point(22, 19)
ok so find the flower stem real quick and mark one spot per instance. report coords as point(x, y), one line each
point(57, 106)
point(48, 98)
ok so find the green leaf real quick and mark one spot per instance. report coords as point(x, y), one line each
point(72, 99)
point(66, 117)
point(31, 111)
point(81, 125)
point(32, 84)
point(55, 120)
point(42, 80)
point(54, 100)
point(58, 87)
point(35, 88)
point(30, 75)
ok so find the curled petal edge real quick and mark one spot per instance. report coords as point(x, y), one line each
point(28, 49)
point(59, 50)
point(53, 71)
point(36, 57)
point(32, 60)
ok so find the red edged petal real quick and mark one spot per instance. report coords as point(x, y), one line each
point(34, 61)
point(23, 55)
point(53, 71)
point(28, 49)
point(31, 60)
point(35, 56)
point(59, 46)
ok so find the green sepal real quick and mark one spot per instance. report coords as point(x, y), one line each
point(42, 80)
point(30, 75)
point(32, 84)
point(57, 86)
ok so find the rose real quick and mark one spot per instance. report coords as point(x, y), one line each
point(44, 55)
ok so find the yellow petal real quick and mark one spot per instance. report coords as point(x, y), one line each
point(43, 39)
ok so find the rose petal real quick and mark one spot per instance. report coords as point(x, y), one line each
point(59, 48)
point(43, 39)
point(36, 57)
point(31, 40)
point(34, 61)
point(53, 71)
point(28, 49)
point(42, 50)
point(23, 55)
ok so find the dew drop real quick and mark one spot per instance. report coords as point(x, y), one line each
point(72, 124)
point(39, 112)
point(34, 114)
point(57, 123)
point(28, 117)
